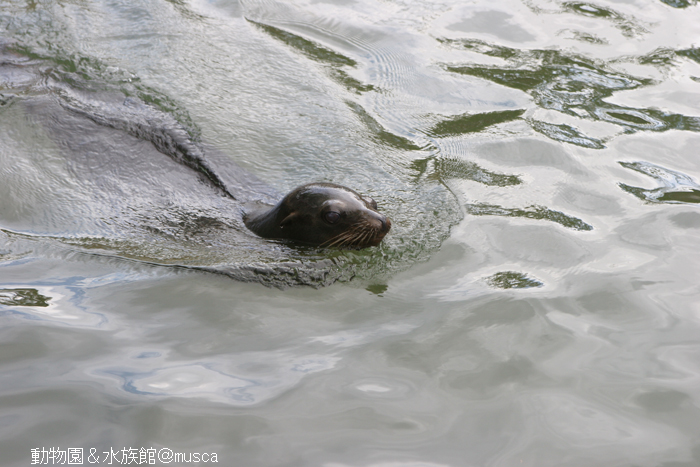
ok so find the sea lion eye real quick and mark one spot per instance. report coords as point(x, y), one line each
point(372, 203)
point(331, 217)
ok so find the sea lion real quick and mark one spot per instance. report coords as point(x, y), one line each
point(84, 122)
point(322, 214)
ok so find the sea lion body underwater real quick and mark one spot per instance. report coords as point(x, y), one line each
point(322, 214)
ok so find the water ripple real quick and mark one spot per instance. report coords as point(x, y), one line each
point(677, 187)
point(576, 86)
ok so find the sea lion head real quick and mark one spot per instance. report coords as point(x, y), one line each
point(323, 214)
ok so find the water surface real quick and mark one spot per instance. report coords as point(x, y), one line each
point(536, 302)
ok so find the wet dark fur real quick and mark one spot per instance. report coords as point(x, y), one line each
point(303, 216)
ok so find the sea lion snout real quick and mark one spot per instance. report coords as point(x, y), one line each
point(379, 221)
point(375, 225)
point(386, 224)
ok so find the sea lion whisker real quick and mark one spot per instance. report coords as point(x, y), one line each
point(336, 237)
point(357, 237)
point(340, 240)
point(367, 235)
point(335, 240)
point(362, 234)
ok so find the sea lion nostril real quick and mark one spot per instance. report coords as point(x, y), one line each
point(386, 224)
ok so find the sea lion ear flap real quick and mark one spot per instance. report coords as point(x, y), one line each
point(289, 219)
point(372, 203)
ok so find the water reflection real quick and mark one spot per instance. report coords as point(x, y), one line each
point(472, 123)
point(677, 187)
point(574, 85)
point(23, 297)
point(54, 305)
point(679, 3)
point(512, 280)
point(319, 53)
point(530, 212)
point(692, 53)
point(448, 168)
point(244, 380)
point(628, 26)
